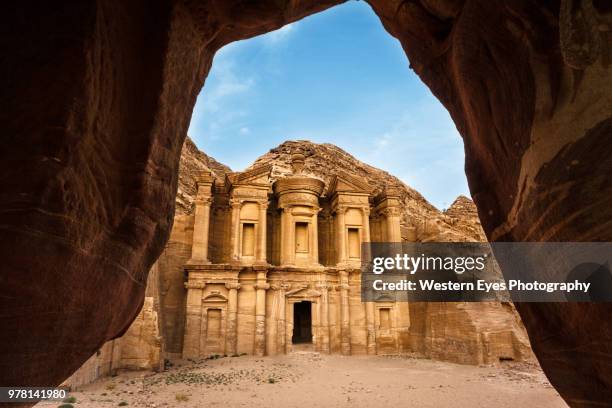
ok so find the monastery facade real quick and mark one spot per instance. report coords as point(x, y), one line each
point(275, 265)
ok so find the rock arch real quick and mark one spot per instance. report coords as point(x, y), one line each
point(97, 97)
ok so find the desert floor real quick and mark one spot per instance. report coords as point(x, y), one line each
point(307, 379)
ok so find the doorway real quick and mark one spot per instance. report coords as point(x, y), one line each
point(302, 323)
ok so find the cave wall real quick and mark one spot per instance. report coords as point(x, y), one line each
point(96, 101)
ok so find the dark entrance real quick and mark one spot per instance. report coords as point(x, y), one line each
point(302, 322)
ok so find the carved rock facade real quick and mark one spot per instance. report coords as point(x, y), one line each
point(277, 262)
point(98, 105)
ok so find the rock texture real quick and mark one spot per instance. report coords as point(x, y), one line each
point(96, 105)
point(194, 160)
point(420, 220)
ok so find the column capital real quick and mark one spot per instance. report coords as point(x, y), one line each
point(391, 212)
point(341, 209)
point(235, 203)
point(264, 286)
point(232, 285)
point(205, 200)
point(323, 286)
point(280, 286)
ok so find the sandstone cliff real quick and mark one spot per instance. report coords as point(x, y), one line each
point(192, 161)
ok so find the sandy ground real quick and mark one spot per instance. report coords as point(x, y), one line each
point(306, 379)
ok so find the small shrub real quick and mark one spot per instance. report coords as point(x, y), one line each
point(271, 380)
point(66, 406)
point(122, 404)
point(181, 397)
point(110, 387)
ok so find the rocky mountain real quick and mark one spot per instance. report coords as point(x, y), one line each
point(421, 221)
point(193, 160)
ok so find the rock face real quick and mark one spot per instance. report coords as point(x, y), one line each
point(192, 161)
point(480, 333)
point(97, 104)
point(178, 249)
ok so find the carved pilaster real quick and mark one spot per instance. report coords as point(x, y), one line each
point(324, 341)
point(287, 237)
point(231, 335)
point(281, 289)
point(261, 241)
point(260, 314)
point(366, 239)
point(235, 229)
point(370, 327)
point(203, 201)
point(345, 324)
point(341, 234)
point(193, 319)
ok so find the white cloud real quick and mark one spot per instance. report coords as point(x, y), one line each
point(245, 130)
point(225, 84)
point(382, 142)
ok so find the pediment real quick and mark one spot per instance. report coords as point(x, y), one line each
point(257, 175)
point(303, 292)
point(347, 183)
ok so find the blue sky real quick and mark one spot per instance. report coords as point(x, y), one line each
point(335, 77)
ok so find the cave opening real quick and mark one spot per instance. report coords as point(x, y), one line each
point(497, 96)
point(335, 77)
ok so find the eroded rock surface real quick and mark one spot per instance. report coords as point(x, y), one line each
point(96, 105)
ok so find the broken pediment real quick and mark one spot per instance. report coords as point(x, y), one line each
point(346, 183)
point(257, 176)
point(303, 292)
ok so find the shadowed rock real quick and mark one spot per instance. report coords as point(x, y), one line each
point(97, 97)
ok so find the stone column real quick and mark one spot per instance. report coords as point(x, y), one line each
point(345, 324)
point(394, 232)
point(235, 231)
point(193, 319)
point(260, 314)
point(231, 334)
point(288, 328)
point(199, 248)
point(287, 237)
point(324, 313)
point(366, 224)
point(341, 234)
point(366, 239)
point(261, 241)
point(280, 328)
point(315, 237)
point(370, 328)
